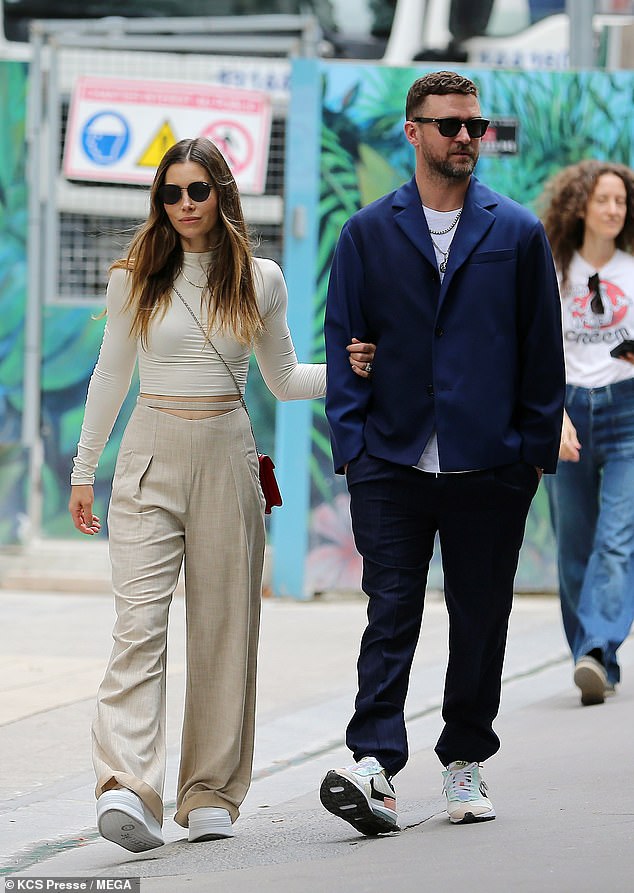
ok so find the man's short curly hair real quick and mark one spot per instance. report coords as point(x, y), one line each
point(437, 83)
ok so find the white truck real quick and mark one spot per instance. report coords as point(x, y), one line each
point(508, 33)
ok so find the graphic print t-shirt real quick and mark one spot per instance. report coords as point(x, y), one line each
point(589, 337)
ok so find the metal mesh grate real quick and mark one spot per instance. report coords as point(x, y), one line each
point(275, 171)
point(88, 244)
point(268, 242)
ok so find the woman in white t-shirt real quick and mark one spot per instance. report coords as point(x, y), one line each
point(189, 303)
point(589, 220)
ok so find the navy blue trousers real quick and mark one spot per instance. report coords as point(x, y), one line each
point(480, 519)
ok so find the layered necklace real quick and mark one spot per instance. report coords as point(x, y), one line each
point(442, 266)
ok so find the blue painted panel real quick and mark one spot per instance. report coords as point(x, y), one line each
point(289, 525)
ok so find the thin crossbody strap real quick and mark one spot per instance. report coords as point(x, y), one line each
point(218, 354)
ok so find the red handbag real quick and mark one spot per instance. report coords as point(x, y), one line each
point(268, 482)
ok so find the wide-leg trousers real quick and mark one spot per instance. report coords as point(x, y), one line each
point(183, 490)
point(480, 519)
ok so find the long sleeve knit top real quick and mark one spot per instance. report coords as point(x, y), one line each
point(176, 362)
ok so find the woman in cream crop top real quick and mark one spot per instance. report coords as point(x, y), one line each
point(177, 363)
point(185, 491)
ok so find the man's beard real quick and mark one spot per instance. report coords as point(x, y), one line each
point(451, 170)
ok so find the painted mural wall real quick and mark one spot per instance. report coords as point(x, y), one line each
point(70, 340)
point(562, 117)
point(13, 229)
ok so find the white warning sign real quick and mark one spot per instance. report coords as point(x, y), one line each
point(119, 129)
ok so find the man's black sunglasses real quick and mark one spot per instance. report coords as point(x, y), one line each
point(476, 127)
point(170, 194)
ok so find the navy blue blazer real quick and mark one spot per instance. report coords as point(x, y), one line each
point(478, 358)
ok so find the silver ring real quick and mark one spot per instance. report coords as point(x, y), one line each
point(368, 367)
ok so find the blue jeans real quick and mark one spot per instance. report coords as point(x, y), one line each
point(592, 507)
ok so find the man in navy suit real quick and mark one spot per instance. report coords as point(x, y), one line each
point(456, 286)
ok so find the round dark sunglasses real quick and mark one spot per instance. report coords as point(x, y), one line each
point(450, 127)
point(170, 194)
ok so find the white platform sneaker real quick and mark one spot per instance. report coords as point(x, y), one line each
point(123, 818)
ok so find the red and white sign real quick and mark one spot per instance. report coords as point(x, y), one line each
point(119, 129)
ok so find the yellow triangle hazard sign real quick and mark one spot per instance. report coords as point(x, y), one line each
point(162, 140)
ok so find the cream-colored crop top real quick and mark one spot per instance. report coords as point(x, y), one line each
point(177, 362)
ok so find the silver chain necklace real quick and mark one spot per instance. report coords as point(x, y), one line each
point(442, 266)
point(443, 232)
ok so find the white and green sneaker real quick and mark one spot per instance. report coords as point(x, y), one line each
point(362, 795)
point(466, 794)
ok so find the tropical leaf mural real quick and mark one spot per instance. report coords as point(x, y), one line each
point(562, 117)
point(70, 345)
point(13, 217)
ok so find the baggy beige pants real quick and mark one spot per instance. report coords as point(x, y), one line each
point(183, 489)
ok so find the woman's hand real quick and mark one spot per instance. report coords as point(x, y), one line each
point(361, 355)
point(80, 505)
point(569, 447)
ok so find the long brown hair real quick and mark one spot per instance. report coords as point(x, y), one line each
point(155, 254)
point(565, 199)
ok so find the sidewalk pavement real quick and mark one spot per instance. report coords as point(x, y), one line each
point(560, 783)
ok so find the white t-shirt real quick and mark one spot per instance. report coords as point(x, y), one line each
point(438, 221)
point(176, 361)
point(588, 338)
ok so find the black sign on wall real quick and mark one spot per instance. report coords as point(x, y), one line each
point(501, 137)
